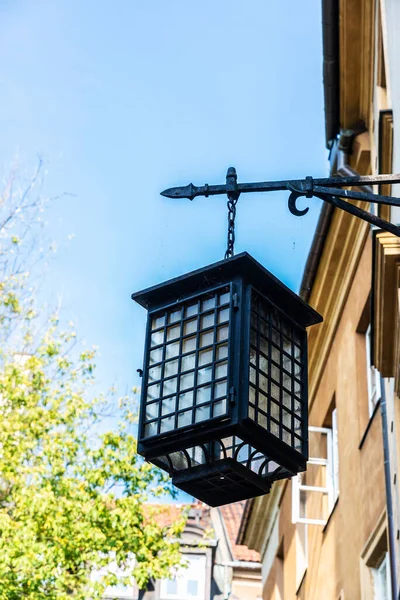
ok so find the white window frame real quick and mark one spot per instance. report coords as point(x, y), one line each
point(193, 571)
point(331, 463)
point(119, 591)
point(382, 590)
point(335, 457)
point(373, 376)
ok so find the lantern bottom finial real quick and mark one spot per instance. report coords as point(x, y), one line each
point(221, 483)
point(224, 471)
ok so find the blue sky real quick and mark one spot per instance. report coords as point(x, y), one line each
point(126, 98)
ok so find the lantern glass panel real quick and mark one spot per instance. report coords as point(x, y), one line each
point(185, 418)
point(222, 351)
point(187, 381)
point(173, 333)
point(190, 327)
point(188, 367)
point(219, 408)
point(158, 322)
point(276, 372)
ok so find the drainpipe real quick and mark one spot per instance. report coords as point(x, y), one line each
point(330, 49)
point(389, 499)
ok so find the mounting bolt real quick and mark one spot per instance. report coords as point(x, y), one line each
point(231, 184)
point(309, 187)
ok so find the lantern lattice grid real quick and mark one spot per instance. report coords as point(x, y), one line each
point(224, 396)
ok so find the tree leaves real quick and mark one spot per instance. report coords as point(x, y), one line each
point(71, 501)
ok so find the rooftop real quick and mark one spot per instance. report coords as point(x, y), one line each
point(232, 516)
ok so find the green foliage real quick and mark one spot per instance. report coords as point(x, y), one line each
point(71, 501)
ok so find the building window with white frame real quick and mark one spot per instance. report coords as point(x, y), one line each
point(375, 564)
point(314, 492)
point(381, 579)
point(373, 376)
point(188, 583)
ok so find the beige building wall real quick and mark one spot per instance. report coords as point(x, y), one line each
point(345, 558)
point(335, 550)
point(246, 585)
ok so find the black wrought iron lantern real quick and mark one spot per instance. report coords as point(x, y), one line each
point(224, 395)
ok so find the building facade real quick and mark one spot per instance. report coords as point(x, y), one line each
point(195, 581)
point(333, 532)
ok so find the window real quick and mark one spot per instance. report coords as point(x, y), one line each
point(189, 582)
point(371, 385)
point(192, 587)
point(373, 376)
point(335, 457)
point(119, 591)
point(172, 587)
point(381, 580)
point(315, 491)
point(375, 564)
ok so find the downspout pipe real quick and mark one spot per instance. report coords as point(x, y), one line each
point(389, 497)
point(330, 49)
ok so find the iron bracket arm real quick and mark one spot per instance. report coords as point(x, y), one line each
point(327, 189)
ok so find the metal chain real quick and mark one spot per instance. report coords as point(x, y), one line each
point(232, 201)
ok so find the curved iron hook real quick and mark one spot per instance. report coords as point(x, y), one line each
point(292, 204)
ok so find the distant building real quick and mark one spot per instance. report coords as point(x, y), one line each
point(237, 569)
point(217, 568)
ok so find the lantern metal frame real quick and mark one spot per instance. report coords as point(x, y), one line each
point(244, 277)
